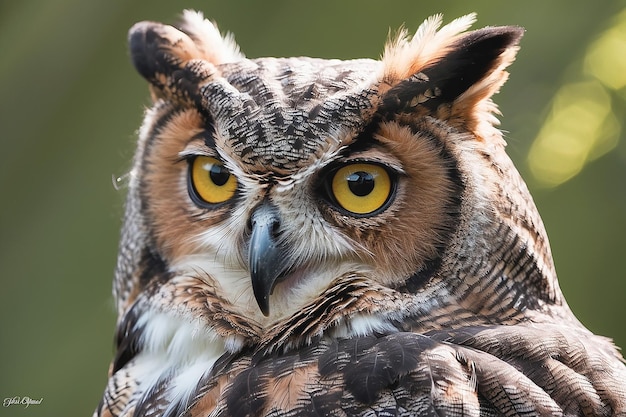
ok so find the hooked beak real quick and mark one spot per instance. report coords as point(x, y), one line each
point(266, 258)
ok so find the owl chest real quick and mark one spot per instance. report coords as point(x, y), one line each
point(178, 359)
point(174, 355)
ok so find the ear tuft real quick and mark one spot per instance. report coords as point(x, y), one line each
point(448, 74)
point(215, 47)
point(175, 62)
point(158, 49)
point(475, 61)
point(404, 56)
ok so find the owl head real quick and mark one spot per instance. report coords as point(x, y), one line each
point(275, 182)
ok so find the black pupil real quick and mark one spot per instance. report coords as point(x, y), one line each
point(219, 175)
point(361, 183)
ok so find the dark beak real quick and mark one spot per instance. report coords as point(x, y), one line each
point(266, 257)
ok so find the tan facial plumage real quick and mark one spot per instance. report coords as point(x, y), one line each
point(324, 237)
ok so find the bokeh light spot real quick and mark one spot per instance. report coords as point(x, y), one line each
point(581, 127)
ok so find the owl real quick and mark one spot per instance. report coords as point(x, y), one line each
point(311, 237)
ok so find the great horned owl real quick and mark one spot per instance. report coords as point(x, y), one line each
point(339, 238)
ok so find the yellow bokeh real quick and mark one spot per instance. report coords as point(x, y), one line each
point(581, 127)
point(582, 124)
point(606, 57)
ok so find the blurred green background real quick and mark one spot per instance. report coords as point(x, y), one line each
point(70, 103)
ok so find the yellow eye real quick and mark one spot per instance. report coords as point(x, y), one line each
point(211, 182)
point(361, 188)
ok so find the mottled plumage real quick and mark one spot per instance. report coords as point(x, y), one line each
point(339, 238)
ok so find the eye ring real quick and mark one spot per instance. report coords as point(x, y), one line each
point(361, 189)
point(209, 182)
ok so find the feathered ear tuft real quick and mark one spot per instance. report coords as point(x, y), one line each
point(175, 62)
point(450, 75)
point(404, 57)
point(215, 47)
